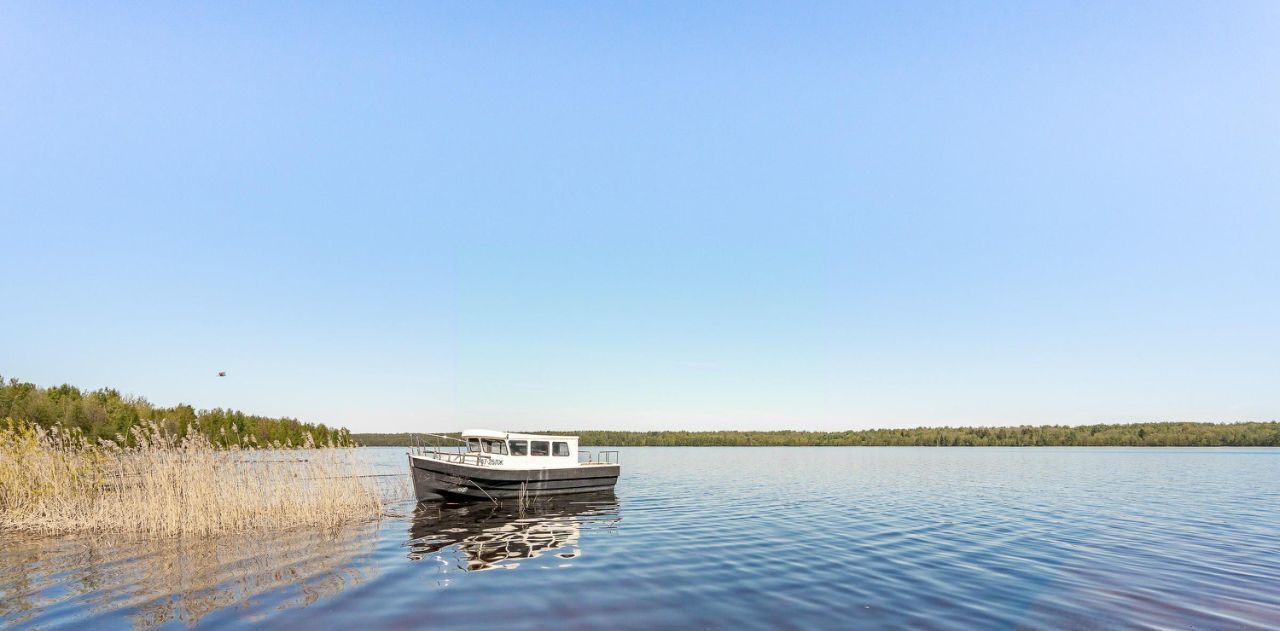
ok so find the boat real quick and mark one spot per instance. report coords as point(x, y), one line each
point(490, 465)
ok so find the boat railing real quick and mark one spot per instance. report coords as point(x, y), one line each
point(456, 457)
point(456, 454)
point(599, 457)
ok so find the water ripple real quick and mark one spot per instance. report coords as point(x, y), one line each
point(734, 538)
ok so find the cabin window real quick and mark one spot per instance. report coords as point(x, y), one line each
point(562, 449)
point(492, 446)
point(519, 447)
point(473, 445)
point(540, 448)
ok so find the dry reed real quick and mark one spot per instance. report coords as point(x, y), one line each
point(56, 480)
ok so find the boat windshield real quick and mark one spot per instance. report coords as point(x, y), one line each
point(473, 445)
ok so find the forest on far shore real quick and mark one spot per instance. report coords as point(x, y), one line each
point(1252, 434)
point(109, 415)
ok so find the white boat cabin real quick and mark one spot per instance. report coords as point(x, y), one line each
point(508, 450)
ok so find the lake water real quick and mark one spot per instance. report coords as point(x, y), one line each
point(733, 538)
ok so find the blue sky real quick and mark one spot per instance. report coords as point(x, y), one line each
point(647, 215)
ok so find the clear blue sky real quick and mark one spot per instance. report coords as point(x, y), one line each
point(647, 215)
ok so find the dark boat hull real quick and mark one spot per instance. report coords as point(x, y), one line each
point(438, 480)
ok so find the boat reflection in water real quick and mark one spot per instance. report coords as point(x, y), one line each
point(472, 537)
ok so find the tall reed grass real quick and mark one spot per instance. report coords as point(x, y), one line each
point(55, 480)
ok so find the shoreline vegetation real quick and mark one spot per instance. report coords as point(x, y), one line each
point(107, 414)
point(1249, 434)
point(58, 481)
point(76, 462)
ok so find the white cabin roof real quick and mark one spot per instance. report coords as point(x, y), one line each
point(493, 433)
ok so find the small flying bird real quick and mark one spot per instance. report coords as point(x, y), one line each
point(222, 373)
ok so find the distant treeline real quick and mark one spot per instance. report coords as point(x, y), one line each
point(1127, 435)
point(404, 439)
point(108, 415)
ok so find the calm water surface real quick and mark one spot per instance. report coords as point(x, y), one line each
point(733, 538)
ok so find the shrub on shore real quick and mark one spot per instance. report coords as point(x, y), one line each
point(156, 483)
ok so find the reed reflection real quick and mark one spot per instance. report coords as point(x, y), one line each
point(475, 537)
point(179, 580)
